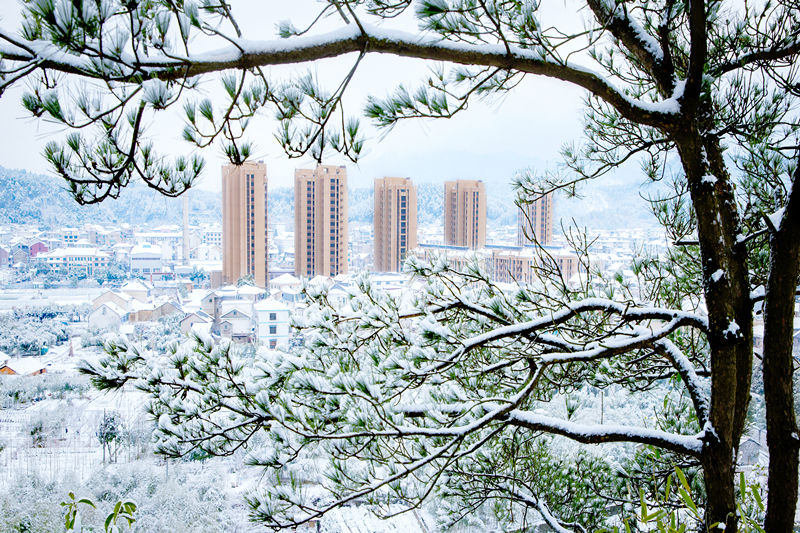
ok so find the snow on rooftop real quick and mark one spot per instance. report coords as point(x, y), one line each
point(285, 279)
point(134, 286)
point(270, 304)
point(250, 290)
point(25, 366)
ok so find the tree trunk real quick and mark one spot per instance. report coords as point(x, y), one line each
point(782, 437)
point(727, 295)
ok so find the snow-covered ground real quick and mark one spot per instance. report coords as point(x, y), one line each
point(11, 298)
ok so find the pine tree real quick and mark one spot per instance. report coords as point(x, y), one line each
point(703, 94)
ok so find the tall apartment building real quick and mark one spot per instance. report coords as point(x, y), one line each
point(395, 220)
point(320, 221)
point(465, 213)
point(244, 222)
point(536, 220)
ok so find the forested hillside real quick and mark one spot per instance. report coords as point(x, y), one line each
point(41, 200)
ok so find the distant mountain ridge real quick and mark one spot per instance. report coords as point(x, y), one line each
point(41, 200)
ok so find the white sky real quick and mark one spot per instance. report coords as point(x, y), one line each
point(490, 141)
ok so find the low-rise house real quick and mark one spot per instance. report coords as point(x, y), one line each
point(273, 323)
point(28, 366)
point(166, 309)
point(197, 318)
point(250, 292)
point(120, 299)
point(284, 282)
point(141, 312)
point(208, 303)
point(752, 452)
point(107, 316)
point(37, 247)
point(137, 290)
point(237, 326)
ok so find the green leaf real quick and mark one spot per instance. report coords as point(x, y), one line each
point(687, 500)
point(682, 479)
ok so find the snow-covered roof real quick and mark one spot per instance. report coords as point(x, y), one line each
point(24, 366)
point(269, 304)
point(146, 250)
point(250, 290)
point(173, 303)
point(120, 295)
point(234, 310)
point(136, 305)
point(227, 289)
point(135, 286)
point(72, 251)
point(203, 328)
point(203, 317)
point(112, 307)
point(285, 279)
point(319, 280)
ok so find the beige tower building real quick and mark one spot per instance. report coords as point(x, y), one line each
point(465, 213)
point(536, 220)
point(395, 220)
point(320, 221)
point(244, 222)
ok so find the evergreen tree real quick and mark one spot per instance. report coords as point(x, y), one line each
point(702, 93)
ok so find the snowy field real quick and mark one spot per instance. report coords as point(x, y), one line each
point(11, 298)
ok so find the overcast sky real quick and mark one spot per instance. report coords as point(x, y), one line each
point(490, 141)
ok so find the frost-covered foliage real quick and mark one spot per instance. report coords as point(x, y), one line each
point(31, 504)
point(96, 337)
point(186, 501)
point(17, 391)
point(25, 331)
point(445, 390)
point(160, 333)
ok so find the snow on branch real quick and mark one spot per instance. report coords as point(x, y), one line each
point(607, 348)
point(246, 54)
point(597, 434)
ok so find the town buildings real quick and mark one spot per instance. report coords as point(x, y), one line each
point(465, 213)
point(244, 223)
point(320, 221)
point(395, 222)
point(508, 264)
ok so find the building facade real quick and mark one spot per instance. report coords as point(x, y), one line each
point(146, 261)
point(244, 222)
point(535, 221)
point(395, 223)
point(320, 221)
point(72, 259)
point(465, 213)
point(273, 323)
point(507, 264)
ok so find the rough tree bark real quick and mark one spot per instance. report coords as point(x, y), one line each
point(782, 435)
point(729, 313)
